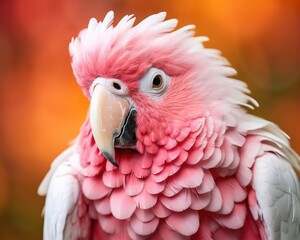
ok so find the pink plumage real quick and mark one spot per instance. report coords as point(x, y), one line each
point(168, 150)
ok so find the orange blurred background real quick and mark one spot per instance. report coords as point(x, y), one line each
point(42, 107)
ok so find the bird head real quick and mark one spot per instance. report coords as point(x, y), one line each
point(147, 83)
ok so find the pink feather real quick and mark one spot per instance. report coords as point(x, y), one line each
point(189, 177)
point(235, 219)
point(186, 223)
point(216, 201)
point(171, 143)
point(166, 233)
point(103, 206)
point(109, 223)
point(154, 187)
point(144, 215)
point(122, 206)
point(181, 158)
point(112, 179)
point(160, 210)
point(179, 202)
point(231, 192)
point(93, 188)
point(144, 227)
point(145, 200)
point(200, 201)
point(208, 183)
point(133, 185)
point(171, 188)
point(173, 154)
point(184, 133)
point(195, 156)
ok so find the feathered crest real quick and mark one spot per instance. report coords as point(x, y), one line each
point(102, 46)
point(106, 50)
point(98, 33)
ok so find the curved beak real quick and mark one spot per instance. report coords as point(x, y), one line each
point(108, 114)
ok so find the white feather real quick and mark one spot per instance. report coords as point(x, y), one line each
point(278, 194)
point(63, 157)
point(153, 20)
point(108, 19)
point(126, 23)
point(62, 191)
point(168, 25)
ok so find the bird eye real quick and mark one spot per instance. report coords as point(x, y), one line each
point(157, 82)
point(154, 83)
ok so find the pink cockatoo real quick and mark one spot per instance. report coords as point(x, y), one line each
point(167, 150)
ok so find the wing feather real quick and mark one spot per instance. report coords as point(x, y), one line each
point(278, 196)
point(272, 135)
point(65, 209)
point(63, 157)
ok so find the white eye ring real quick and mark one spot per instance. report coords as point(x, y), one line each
point(154, 82)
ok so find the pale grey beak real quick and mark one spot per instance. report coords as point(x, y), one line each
point(112, 121)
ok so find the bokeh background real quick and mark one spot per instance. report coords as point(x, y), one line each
point(42, 108)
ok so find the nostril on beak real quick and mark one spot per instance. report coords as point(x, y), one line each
point(116, 86)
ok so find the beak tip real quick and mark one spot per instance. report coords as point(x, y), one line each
point(110, 158)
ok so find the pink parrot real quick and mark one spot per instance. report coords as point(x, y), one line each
point(167, 150)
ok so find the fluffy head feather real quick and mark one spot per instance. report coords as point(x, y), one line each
point(126, 52)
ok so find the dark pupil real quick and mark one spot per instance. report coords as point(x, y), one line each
point(117, 86)
point(157, 81)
